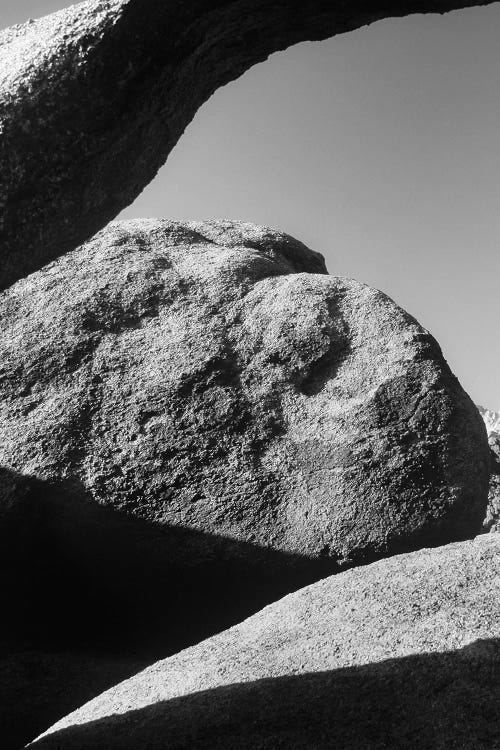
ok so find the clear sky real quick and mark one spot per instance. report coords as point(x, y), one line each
point(381, 149)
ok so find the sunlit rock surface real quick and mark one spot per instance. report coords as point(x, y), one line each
point(404, 653)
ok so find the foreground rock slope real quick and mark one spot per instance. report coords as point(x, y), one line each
point(402, 654)
point(200, 410)
point(85, 88)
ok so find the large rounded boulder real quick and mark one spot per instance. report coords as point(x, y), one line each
point(197, 418)
point(401, 654)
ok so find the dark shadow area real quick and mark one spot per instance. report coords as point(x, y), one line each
point(40, 685)
point(92, 595)
point(78, 572)
point(435, 701)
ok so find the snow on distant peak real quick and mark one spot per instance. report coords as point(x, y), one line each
point(491, 419)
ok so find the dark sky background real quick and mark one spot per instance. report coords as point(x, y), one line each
point(380, 148)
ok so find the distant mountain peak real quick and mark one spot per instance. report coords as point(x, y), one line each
point(491, 419)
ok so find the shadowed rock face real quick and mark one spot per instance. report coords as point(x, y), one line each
point(403, 654)
point(93, 99)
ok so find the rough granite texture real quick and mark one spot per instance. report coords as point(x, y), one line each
point(402, 654)
point(93, 99)
point(200, 410)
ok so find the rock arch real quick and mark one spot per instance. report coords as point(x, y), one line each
point(93, 98)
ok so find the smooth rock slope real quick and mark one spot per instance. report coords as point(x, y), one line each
point(93, 99)
point(206, 420)
point(402, 654)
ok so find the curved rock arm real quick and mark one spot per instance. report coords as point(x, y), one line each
point(93, 99)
